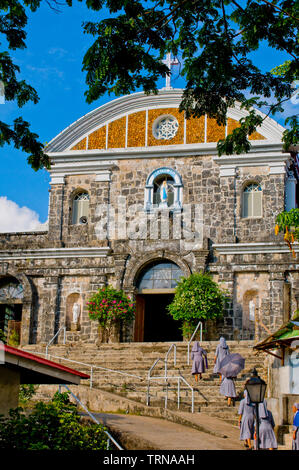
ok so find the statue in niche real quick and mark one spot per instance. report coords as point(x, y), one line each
point(251, 310)
point(76, 312)
point(164, 192)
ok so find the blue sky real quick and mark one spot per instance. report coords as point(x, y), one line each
point(52, 64)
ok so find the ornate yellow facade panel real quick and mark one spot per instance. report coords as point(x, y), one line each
point(117, 133)
point(80, 145)
point(231, 125)
point(195, 130)
point(97, 139)
point(153, 114)
point(256, 136)
point(214, 132)
point(136, 129)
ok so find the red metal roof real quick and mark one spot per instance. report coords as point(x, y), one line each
point(40, 360)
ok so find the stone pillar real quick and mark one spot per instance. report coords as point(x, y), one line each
point(48, 322)
point(227, 204)
point(56, 210)
point(275, 315)
point(227, 327)
point(290, 194)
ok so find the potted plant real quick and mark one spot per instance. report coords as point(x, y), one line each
point(112, 309)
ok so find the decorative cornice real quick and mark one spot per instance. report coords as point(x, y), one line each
point(252, 248)
point(42, 253)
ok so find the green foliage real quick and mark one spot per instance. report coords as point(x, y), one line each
point(27, 391)
point(51, 426)
point(287, 222)
point(14, 338)
point(2, 336)
point(110, 306)
point(196, 298)
point(215, 40)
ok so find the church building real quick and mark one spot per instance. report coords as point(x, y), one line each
point(139, 198)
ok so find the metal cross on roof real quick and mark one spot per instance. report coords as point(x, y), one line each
point(169, 62)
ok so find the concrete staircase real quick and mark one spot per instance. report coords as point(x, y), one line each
point(135, 359)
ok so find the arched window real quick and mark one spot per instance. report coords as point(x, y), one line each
point(80, 208)
point(163, 189)
point(252, 201)
point(160, 275)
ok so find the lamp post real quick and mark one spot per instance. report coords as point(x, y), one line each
point(256, 388)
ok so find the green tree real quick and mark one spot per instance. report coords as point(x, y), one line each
point(196, 298)
point(215, 40)
point(50, 426)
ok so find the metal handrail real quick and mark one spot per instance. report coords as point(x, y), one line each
point(92, 367)
point(166, 357)
point(178, 378)
point(191, 339)
point(110, 438)
point(51, 341)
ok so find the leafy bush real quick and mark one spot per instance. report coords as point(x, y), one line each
point(196, 298)
point(51, 426)
point(26, 393)
point(110, 306)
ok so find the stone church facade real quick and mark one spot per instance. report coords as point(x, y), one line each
point(109, 224)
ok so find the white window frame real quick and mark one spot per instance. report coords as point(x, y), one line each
point(80, 207)
point(254, 190)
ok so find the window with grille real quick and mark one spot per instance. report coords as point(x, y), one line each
point(80, 208)
point(252, 201)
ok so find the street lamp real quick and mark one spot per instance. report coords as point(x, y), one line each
point(256, 389)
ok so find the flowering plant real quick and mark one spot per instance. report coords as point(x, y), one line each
point(110, 306)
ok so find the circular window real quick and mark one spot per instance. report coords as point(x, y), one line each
point(165, 127)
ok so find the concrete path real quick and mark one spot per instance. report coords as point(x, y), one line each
point(146, 433)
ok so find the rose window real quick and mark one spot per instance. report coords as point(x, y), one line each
point(165, 128)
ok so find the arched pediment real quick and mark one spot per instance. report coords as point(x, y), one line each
point(128, 123)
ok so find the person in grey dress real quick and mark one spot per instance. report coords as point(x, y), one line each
point(228, 389)
point(267, 437)
point(200, 361)
point(222, 350)
point(295, 441)
point(246, 420)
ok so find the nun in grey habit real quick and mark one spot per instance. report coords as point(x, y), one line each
point(222, 350)
point(266, 428)
point(295, 441)
point(246, 420)
point(200, 360)
point(228, 389)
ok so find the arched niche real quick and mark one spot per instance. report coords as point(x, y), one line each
point(250, 313)
point(174, 182)
point(73, 301)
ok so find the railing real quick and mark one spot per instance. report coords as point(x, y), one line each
point(110, 438)
point(191, 339)
point(166, 378)
point(89, 366)
point(178, 378)
point(51, 341)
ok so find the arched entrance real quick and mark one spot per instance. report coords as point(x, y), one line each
point(156, 285)
point(11, 302)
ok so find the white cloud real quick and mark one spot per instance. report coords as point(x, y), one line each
point(14, 218)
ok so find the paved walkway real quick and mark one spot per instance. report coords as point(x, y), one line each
point(146, 433)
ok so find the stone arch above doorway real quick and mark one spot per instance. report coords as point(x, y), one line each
point(135, 267)
point(155, 282)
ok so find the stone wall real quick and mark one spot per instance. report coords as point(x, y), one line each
point(53, 279)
